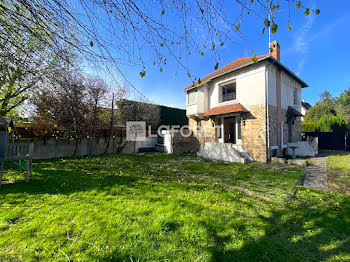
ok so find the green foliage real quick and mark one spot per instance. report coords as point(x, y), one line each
point(307, 11)
point(310, 127)
point(330, 114)
point(143, 73)
point(274, 28)
point(342, 104)
point(330, 123)
point(315, 113)
point(216, 66)
point(325, 107)
point(159, 207)
point(255, 59)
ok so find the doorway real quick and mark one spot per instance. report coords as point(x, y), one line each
point(230, 130)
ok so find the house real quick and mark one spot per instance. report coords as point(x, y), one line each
point(305, 106)
point(247, 110)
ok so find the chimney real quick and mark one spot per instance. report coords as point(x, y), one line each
point(275, 50)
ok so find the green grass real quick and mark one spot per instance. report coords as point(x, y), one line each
point(157, 207)
point(338, 167)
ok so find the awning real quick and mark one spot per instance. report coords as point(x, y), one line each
point(291, 111)
point(234, 108)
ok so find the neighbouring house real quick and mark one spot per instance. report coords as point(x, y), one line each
point(305, 106)
point(247, 110)
point(155, 115)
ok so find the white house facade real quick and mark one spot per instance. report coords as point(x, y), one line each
point(254, 106)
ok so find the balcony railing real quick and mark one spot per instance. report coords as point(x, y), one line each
point(228, 97)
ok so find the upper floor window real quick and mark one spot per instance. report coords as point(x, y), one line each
point(295, 96)
point(228, 92)
point(192, 97)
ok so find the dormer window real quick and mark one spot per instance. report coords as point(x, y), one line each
point(228, 92)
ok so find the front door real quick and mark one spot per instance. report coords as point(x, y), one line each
point(230, 130)
point(231, 136)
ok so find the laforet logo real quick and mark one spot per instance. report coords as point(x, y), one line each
point(136, 130)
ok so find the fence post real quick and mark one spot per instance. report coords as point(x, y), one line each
point(27, 170)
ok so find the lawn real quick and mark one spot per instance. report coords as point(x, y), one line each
point(158, 207)
point(338, 167)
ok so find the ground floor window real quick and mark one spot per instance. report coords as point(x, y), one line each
point(219, 129)
point(239, 130)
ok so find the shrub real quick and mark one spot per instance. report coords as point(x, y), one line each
point(330, 123)
point(310, 127)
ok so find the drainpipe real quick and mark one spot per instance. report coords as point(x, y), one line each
point(267, 114)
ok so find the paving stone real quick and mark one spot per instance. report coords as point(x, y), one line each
point(298, 162)
point(316, 174)
point(278, 160)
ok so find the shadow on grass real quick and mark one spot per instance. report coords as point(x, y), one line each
point(54, 177)
point(295, 233)
point(67, 176)
point(314, 227)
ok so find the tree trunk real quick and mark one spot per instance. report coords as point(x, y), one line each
point(75, 128)
point(110, 126)
point(93, 129)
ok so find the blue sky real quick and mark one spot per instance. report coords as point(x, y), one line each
point(316, 49)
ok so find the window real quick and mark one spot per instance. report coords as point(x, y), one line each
point(238, 119)
point(228, 92)
point(192, 97)
point(295, 96)
point(218, 128)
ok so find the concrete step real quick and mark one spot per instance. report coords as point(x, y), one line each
point(242, 152)
point(221, 151)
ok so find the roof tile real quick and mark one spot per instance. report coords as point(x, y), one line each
point(227, 68)
point(226, 110)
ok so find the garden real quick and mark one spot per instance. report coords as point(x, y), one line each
point(159, 207)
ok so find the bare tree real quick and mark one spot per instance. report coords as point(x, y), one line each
point(23, 68)
point(113, 33)
point(97, 90)
point(65, 107)
point(26, 61)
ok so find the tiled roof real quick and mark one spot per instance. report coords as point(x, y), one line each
point(227, 68)
point(226, 110)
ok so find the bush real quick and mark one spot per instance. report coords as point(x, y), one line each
point(310, 127)
point(330, 123)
